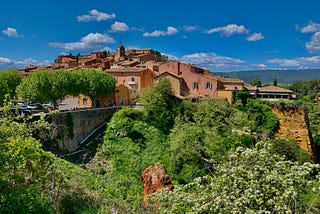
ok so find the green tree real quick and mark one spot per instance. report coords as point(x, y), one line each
point(160, 105)
point(45, 85)
point(275, 82)
point(35, 87)
point(265, 122)
point(256, 82)
point(9, 80)
point(92, 83)
point(241, 96)
point(309, 88)
point(25, 169)
point(250, 181)
point(60, 82)
point(131, 145)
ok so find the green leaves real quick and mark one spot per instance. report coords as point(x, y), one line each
point(9, 80)
point(25, 169)
point(92, 83)
point(45, 85)
point(250, 181)
point(160, 105)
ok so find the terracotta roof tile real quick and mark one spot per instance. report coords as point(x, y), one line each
point(274, 89)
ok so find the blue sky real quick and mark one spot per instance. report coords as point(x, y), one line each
point(229, 35)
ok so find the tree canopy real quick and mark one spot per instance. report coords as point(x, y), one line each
point(9, 80)
point(256, 82)
point(92, 83)
point(45, 85)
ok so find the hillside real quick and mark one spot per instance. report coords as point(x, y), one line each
point(284, 77)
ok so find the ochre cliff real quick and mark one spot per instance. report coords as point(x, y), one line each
point(294, 124)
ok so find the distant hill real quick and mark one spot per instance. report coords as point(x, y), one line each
point(284, 77)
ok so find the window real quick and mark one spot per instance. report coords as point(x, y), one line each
point(84, 102)
point(110, 102)
point(194, 85)
point(208, 85)
point(132, 79)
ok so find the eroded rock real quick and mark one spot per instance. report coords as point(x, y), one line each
point(155, 178)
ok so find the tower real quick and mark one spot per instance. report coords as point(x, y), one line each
point(121, 53)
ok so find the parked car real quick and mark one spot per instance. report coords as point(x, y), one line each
point(20, 108)
point(35, 106)
point(48, 106)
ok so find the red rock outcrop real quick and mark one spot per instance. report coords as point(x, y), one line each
point(154, 178)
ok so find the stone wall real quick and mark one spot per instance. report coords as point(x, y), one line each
point(73, 126)
point(294, 124)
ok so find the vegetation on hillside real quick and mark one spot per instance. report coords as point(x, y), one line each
point(221, 159)
point(205, 140)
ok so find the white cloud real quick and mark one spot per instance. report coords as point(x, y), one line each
point(12, 32)
point(258, 66)
point(314, 45)
point(157, 33)
point(95, 16)
point(92, 41)
point(190, 28)
point(213, 61)
point(119, 27)
point(297, 63)
point(229, 30)
point(312, 27)
point(6, 63)
point(255, 37)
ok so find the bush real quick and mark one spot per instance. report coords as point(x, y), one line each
point(250, 181)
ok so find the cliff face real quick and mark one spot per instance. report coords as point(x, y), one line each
point(294, 124)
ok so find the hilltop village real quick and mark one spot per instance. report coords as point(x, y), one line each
point(135, 69)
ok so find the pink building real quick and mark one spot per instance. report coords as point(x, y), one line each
point(191, 81)
point(194, 81)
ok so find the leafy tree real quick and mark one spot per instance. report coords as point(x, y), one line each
point(242, 96)
point(256, 82)
point(25, 169)
point(160, 105)
point(35, 87)
point(250, 181)
point(45, 85)
point(206, 131)
point(92, 83)
point(309, 88)
point(191, 148)
point(131, 145)
point(275, 82)
point(9, 80)
point(265, 122)
point(60, 82)
point(291, 150)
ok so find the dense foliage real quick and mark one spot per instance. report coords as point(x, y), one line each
point(53, 86)
point(203, 145)
point(92, 83)
point(251, 180)
point(25, 169)
point(309, 88)
point(221, 158)
point(9, 80)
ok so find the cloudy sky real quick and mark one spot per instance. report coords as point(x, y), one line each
point(228, 35)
